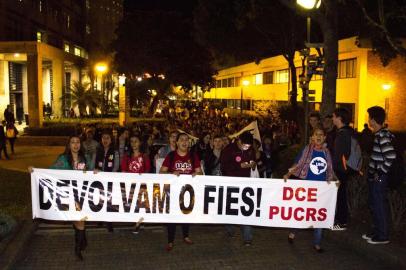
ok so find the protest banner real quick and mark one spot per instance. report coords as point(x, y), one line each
point(165, 198)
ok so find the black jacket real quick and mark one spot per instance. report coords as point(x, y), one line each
point(342, 148)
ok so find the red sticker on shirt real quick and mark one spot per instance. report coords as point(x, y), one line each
point(238, 158)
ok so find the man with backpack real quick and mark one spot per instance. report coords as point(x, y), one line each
point(382, 161)
point(341, 153)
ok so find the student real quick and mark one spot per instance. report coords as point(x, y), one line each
point(3, 147)
point(180, 162)
point(381, 160)
point(212, 160)
point(74, 159)
point(303, 169)
point(107, 160)
point(238, 159)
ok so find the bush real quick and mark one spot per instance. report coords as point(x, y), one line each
point(7, 224)
point(68, 126)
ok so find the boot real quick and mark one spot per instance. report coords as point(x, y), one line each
point(78, 248)
point(83, 243)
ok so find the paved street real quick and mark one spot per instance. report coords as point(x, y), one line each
point(53, 249)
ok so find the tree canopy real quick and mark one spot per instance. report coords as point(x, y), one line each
point(160, 42)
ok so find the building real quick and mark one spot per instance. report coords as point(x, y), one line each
point(362, 82)
point(42, 50)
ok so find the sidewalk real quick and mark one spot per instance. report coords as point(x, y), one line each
point(53, 249)
point(36, 156)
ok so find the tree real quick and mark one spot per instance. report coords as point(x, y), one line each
point(250, 30)
point(83, 96)
point(160, 43)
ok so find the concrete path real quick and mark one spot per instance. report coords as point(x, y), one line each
point(52, 248)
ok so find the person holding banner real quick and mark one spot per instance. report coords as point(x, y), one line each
point(178, 162)
point(313, 163)
point(135, 161)
point(107, 160)
point(238, 159)
point(74, 159)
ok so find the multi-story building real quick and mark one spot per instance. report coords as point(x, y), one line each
point(41, 52)
point(362, 82)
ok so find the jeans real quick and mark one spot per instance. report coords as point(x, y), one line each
point(245, 230)
point(378, 205)
point(342, 201)
point(172, 231)
point(317, 235)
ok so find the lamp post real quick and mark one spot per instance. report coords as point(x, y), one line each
point(244, 83)
point(304, 82)
point(100, 69)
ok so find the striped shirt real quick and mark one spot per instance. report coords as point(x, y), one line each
point(383, 153)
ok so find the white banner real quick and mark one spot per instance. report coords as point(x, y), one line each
point(165, 198)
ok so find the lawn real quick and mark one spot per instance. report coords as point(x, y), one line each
point(15, 194)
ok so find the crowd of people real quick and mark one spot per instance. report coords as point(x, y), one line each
point(208, 147)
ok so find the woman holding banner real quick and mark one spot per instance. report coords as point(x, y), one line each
point(313, 163)
point(74, 159)
point(178, 162)
point(107, 160)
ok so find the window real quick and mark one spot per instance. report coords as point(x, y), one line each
point(40, 6)
point(231, 82)
point(68, 22)
point(218, 83)
point(237, 81)
point(224, 83)
point(268, 77)
point(87, 29)
point(39, 36)
point(66, 48)
point(77, 51)
point(88, 4)
point(282, 76)
point(347, 68)
point(258, 78)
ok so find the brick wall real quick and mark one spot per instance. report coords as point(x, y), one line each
point(395, 75)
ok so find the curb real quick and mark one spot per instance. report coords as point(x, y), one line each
point(15, 243)
point(390, 254)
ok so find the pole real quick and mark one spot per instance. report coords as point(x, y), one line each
point(242, 91)
point(306, 90)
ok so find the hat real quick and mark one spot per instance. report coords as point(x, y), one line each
point(246, 137)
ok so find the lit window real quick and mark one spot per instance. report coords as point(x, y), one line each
point(66, 48)
point(282, 76)
point(77, 51)
point(39, 36)
point(347, 68)
point(258, 78)
point(87, 29)
point(87, 4)
point(68, 22)
point(40, 6)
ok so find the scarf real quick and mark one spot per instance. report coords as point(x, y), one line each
point(302, 167)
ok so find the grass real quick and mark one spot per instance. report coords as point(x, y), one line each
point(15, 194)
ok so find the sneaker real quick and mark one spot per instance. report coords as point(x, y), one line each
point(247, 243)
point(376, 241)
point(339, 227)
point(367, 236)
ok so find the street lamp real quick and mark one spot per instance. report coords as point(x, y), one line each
point(307, 4)
point(244, 83)
point(101, 68)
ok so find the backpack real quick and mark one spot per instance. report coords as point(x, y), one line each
point(396, 174)
point(354, 161)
